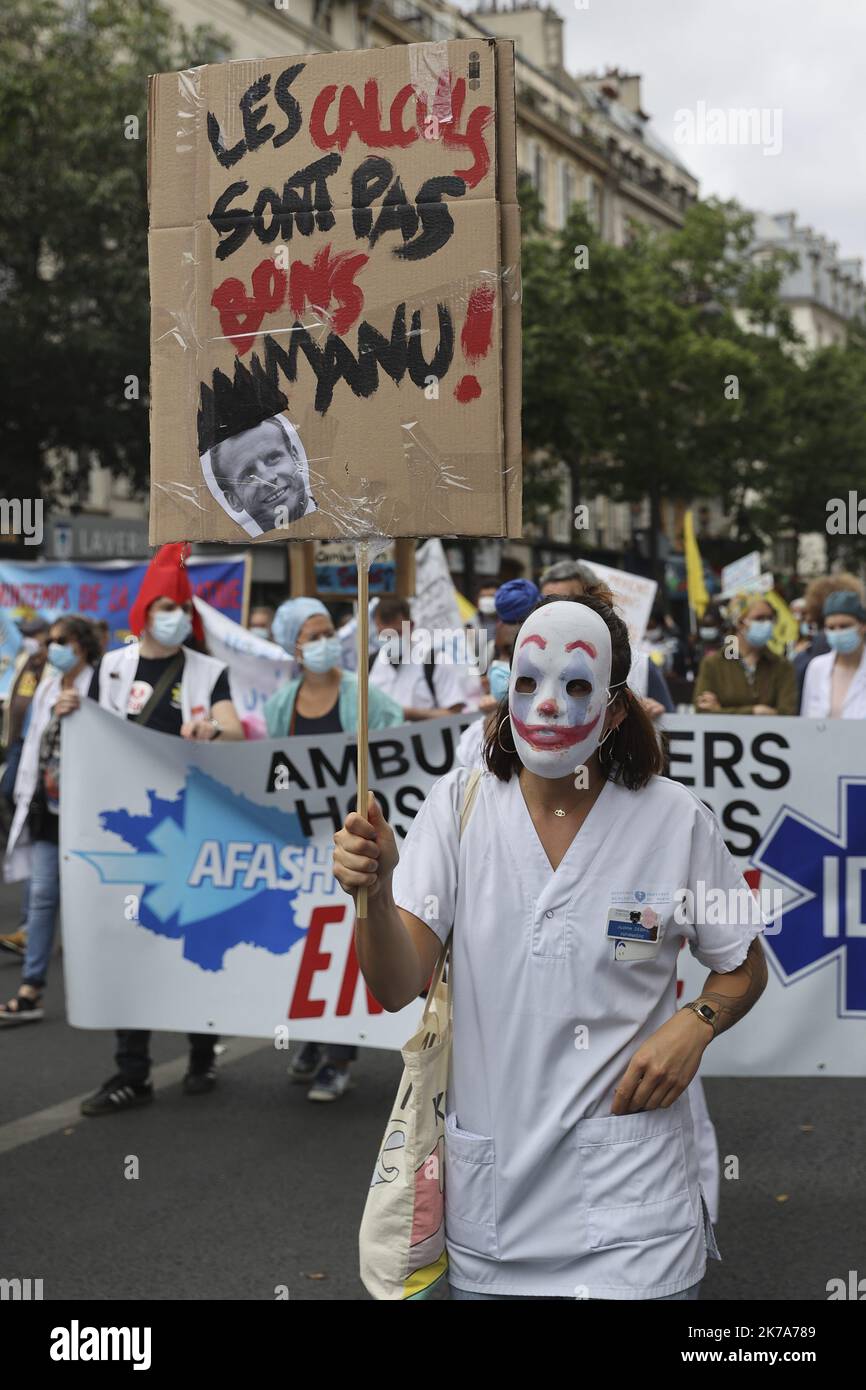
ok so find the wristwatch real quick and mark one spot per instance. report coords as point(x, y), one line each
point(217, 726)
point(704, 1011)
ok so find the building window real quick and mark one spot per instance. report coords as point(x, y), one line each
point(566, 190)
point(593, 202)
point(539, 173)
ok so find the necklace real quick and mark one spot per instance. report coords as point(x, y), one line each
point(559, 812)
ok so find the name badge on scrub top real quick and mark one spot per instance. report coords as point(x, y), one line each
point(635, 933)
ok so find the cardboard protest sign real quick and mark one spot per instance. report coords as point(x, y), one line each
point(334, 257)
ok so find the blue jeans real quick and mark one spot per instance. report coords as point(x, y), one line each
point(42, 904)
point(692, 1293)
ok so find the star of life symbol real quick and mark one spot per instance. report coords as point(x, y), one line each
point(825, 869)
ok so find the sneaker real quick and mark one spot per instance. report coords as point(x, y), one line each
point(14, 942)
point(118, 1094)
point(330, 1083)
point(199, 1080)
point(305, 1063)
point(22, 1009)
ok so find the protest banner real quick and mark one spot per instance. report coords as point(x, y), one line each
point(30, 589)
point(334, 255)
point(634, 595)
point(10, 646)
point(198, 894)
point(256, 667)
point(739, 573)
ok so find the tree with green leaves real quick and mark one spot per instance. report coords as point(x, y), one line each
point(74, 299)
point(658, 369)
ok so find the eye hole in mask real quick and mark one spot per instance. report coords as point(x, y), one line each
point(525, 685)
point(579, 687)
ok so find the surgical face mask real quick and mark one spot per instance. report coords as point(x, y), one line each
point(262, 632)
point(321, 655)
point(498, 675)
point(559, 688)
point(759, 632)
point(708, 634)
point(487, 606)
point(62, 657)
point(805, 629)
point(843, 639)
point(170, 627)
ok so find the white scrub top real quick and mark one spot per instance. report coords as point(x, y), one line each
point(817, 692)
point(406, 683)
point(546, 1192)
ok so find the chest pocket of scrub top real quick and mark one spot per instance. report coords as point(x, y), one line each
point(634, 1176)
point(470, 1192)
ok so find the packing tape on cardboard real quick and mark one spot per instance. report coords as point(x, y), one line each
point(430, 76)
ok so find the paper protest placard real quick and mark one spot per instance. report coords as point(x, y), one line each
point(334, 258)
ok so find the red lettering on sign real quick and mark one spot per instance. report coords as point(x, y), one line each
point(327, 279)
point(350, 980)
point(312, 961)
point(361, 116)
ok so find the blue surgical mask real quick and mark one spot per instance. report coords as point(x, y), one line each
point(498, 675)
point(759, 632)
point(63, 658)
point(171, 627)
point(805, 629)
point(843, 639)
point(322, 655)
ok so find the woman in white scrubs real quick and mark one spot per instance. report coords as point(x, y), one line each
point(835, 684)
point(571, 1169)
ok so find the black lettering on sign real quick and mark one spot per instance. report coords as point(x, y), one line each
point(388, 758)
point(407, 802)
point(324, 771)
point(436, 769)
point(783, 769)
point(751, 832)
point(725, 759)
point(688, 737)
point(308, 818)
point(281, 771)
point(304, 203)
point(256, 134)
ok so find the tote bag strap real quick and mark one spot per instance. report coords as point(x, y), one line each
point(469, 796)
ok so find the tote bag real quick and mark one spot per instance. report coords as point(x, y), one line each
point(402, 1237)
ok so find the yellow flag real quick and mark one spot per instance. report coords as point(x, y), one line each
point(787, 629)
point(697, 589)
point(466, 609)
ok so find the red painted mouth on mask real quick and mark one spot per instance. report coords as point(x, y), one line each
point(541, 736)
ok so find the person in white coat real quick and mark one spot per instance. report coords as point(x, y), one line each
point(161, 682)
point(835, 683)
point(569, 1152)
point(32, 850)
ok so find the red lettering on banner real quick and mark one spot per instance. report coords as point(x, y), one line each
point(350, 980)
point(119, 598)
point(471, 139)
point(219, 593)
point(89, 598)
point(313, 961)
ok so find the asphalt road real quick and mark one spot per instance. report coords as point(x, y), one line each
point(253, 1187)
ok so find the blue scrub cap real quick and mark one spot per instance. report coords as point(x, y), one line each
point(844, 601)
point(516, 599)
point(290, 618)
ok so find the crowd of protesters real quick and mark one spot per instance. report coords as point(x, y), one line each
point(728, 662)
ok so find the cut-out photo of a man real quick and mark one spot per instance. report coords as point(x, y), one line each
point(261, 477)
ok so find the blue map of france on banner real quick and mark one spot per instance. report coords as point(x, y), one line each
point(108, 591)
point(199, 889)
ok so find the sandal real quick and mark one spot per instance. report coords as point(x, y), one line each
point(25, 1008)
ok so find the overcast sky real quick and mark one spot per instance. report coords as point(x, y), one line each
point(803, 57)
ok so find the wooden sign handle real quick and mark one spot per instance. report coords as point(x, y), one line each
point(363, 671)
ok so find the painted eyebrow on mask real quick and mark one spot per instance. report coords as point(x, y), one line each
point(583, 646)
point(536, 638)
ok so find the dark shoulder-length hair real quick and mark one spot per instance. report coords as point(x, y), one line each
point(82, 631)
point(631, 755)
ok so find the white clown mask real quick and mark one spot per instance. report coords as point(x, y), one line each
point(558, 691)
